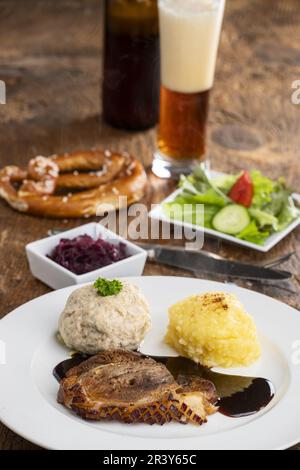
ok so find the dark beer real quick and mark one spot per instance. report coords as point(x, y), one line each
point(131, 79)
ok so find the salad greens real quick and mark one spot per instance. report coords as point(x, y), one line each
point(271, 208)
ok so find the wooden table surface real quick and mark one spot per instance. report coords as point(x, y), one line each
point(50, 59)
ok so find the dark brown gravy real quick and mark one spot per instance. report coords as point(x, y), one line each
point(239, 396)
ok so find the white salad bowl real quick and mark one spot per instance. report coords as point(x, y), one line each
point(58, 277)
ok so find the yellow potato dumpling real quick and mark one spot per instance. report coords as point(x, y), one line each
point(213, 330)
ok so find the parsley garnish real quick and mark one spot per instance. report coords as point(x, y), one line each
point(106, 287)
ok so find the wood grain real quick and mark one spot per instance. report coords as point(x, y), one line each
point(50, 59)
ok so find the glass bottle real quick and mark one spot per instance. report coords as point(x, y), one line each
point(131, 76)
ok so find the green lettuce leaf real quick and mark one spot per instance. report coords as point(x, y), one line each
point(252, 234)
point(263, 189)
point(184, 211)
point(209, 214)
point(279, 198)
point(282, 206)
point(202, 177)
point(188, 185)
point(225, 182)
point(288, 214)
point(198, 191)
point(210, 197)
point(264, 219)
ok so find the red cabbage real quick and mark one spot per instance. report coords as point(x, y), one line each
point(83, 254)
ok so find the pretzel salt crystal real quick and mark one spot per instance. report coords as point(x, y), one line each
point(109, 177)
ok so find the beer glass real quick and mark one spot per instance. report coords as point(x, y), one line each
point(189, 36)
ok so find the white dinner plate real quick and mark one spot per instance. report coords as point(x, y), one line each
point(158, 213)
point(28, 390)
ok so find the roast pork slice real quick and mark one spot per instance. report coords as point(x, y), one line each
point(129, 387)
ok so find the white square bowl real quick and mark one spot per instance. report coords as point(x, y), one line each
point(58, 277)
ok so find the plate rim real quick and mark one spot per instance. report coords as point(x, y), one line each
point(67, 290)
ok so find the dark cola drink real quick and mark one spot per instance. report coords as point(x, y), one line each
point(131, 80)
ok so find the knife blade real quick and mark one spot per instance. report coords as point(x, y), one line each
point(198, 262)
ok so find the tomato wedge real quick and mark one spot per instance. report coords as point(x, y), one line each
point(243, 190)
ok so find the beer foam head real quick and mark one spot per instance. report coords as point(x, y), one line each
point(188, 7)
point(190, 32)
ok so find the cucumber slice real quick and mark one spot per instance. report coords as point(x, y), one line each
point(232, 219)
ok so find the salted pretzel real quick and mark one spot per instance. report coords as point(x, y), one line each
point(79, 184)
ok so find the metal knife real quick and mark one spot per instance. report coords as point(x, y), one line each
point(199, 262)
